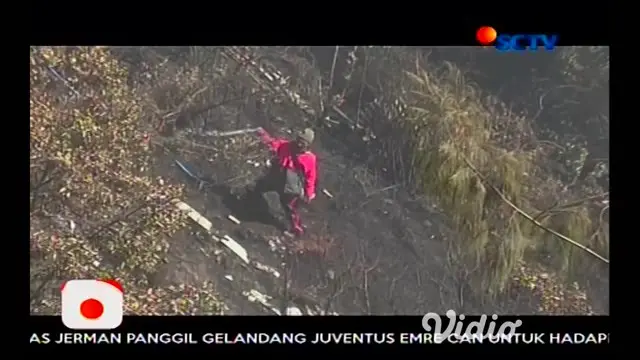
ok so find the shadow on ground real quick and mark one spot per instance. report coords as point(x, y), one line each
point(249, 209)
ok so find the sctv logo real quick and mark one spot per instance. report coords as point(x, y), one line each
point(487, 36)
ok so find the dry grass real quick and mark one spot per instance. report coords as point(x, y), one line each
point(454, 131)
point(466, 149)
point(95, 210)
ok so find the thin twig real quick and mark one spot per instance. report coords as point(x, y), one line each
point(600, 221)
point(364, 74)
point(365, 283)
point(333, 69)
point(541, 99)
point(64, 81)
point(556, 208)
point(383, 189)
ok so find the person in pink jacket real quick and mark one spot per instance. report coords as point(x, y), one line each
point(293, 174)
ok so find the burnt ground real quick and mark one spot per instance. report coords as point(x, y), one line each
point(368, 250)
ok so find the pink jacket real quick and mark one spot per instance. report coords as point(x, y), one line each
point(307, 160)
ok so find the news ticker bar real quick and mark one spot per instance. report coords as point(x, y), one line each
point(353, 324)
point(313, 338)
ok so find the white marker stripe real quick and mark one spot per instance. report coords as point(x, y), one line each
point(236, 248)
point(227, 241)
point(194, 215)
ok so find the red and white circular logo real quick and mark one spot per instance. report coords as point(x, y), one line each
point(92, 304)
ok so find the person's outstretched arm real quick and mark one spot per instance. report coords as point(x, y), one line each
point(272, 142)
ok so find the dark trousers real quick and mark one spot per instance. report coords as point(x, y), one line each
point(274, 180)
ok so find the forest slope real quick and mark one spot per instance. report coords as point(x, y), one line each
point(379, 246)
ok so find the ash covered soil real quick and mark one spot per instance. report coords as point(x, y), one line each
point(368, 249)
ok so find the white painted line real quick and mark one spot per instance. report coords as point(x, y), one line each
point(293, 311)
point(206, 224)
point(236, 248)
point(256, 296)
point(193, 214)
point(266, 268)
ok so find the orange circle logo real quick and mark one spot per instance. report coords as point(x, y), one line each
point(486, 35)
